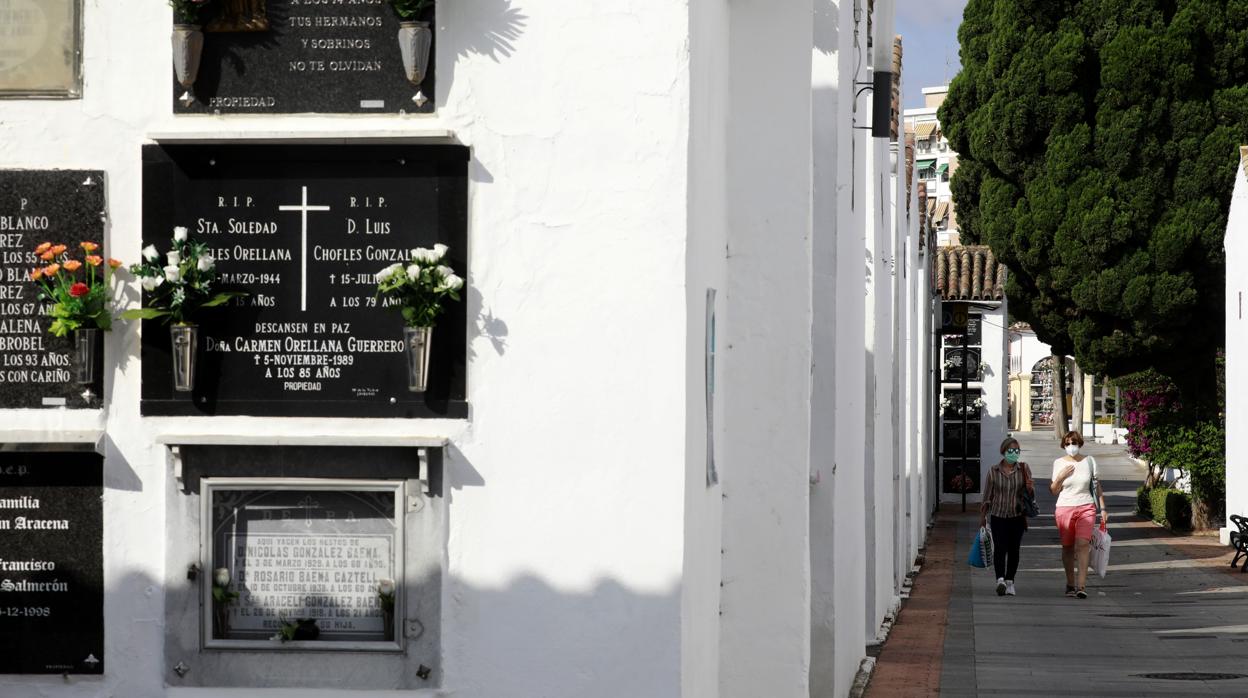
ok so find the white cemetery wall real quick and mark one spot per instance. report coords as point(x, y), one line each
point(1030, 351)
point(850, 539)
point(705, 447)
point(1237, 348)
point(765, 645)
point(577, 386)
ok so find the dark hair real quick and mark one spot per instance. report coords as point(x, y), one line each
point(1006, 444)
point(1072, 437)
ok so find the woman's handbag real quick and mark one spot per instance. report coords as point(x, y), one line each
point(1027, 500)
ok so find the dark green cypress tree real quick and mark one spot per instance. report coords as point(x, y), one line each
point(1098, 143)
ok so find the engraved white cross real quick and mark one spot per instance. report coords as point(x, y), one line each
point(303, 250)
point(308, 505)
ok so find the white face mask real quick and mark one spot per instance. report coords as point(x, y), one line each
point(1072, 450)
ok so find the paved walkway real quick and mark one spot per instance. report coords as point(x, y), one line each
point(1169, 604)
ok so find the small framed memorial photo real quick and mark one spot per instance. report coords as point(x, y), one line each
point(40, 49)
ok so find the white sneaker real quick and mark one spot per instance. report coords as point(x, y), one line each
point(1009, 588)
point(1000, 587)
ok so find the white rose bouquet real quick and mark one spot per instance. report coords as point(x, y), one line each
point(182, 285)
point(421, 286)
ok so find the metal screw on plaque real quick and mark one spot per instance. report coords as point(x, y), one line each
point(423, 672)
point(414, 629)
point(181, 669)
point(393, 400)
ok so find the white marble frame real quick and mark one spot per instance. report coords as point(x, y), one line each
point(211, 485)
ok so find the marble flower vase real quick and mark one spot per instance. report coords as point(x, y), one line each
point(417, 342)
point(86, 346)
point(185, 345)
point(415, 41)
point(188, 47)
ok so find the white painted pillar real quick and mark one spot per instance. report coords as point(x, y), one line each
point(1237, 349)
point(765, 626)
point(826, 101)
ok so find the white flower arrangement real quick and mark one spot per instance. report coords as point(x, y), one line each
point(183, 286)
point(420, 286)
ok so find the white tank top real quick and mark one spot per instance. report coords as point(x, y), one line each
point(1077, 489)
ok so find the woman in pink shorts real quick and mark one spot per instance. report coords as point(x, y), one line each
point(1076, 510)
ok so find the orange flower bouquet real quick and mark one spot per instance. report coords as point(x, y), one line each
point(79, 291)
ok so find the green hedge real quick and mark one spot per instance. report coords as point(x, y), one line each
point(1143, 502)
point(1170, 508)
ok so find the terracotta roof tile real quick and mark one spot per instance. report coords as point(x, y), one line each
point(969, 272)
point(896, 95)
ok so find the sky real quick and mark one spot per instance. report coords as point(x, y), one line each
point(929, 40)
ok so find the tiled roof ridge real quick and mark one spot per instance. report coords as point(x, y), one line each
point(970, 272)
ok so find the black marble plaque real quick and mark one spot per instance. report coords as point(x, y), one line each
point(953, 366)
point(961, 476)
point(59, 206)
point(313, 556)
point(322, 56)
point(951, 432)
point(960, 401)
point(974, 332)
point(303, 229)
point(51, 563)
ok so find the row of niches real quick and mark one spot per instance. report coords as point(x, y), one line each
point(249, 56)
point(270, 280)
point(284, 566)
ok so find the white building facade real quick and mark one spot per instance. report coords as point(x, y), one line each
point(935, 162)
point(697, 457)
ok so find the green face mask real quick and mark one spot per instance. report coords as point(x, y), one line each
point(1011, 456)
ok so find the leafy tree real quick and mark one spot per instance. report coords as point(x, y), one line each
point(1098, 148)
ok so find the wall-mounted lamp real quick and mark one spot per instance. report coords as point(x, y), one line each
point(882, 66)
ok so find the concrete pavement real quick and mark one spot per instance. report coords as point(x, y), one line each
point(1169, 605)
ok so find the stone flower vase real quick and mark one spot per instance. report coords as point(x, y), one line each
point(185, 340)
point(417, 342)
point(188, 46)
point(415, 40)
point(221, 620)
point(86, 346)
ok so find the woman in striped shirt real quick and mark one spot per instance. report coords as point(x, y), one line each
point(1002, 512)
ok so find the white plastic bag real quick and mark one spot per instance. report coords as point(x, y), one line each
point(1098, 560)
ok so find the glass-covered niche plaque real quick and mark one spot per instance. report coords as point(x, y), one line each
point(302, 565)
point(40, 49)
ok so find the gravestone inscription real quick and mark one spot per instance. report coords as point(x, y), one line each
point(305, 559)
point(51, 563)
point(60, 206)
point(295, 56)
point(303, 230)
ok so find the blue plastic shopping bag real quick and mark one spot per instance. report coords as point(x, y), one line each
point(976, 558)
point(981, 549)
